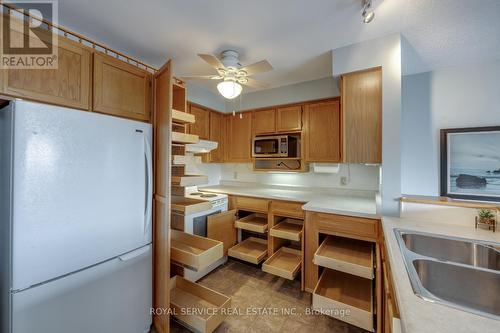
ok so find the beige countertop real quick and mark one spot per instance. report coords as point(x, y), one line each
point(418, 315)
point(342, 202)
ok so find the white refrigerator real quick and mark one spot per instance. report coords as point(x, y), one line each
point(75, 219)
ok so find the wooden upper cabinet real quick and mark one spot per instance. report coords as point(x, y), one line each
point(217, 135)
point(264, 121)
point(239, 138)
point(121, 89)
point(201, 126)
point(362, 116)
point(322, 132)
point(68, 85)
point(289, 119)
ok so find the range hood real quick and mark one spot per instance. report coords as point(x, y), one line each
point(203, 146)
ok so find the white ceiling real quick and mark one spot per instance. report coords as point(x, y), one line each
point(294, 35)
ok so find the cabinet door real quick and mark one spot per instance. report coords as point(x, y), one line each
point(201, 126)
point(221, 227)
point(217, 135)
point(239, 138)
point(322, 134)
point(121, 89)
point(264, 121)
point(362, 116)
point(289, 119)
point(68, 85)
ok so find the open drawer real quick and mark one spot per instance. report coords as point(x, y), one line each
point(345, 297)
point(253, 222)
point(199, 308)
point(288, 229)
point(347, 255)
point(252, 249)
point(285, 262)
point(194, 252)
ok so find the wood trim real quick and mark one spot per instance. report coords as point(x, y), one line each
point(445, 201)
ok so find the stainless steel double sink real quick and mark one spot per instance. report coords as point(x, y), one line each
point(457, 272)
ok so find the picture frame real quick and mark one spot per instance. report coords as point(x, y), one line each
point(470, 163)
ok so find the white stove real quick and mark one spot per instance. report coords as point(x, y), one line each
point(196, 224)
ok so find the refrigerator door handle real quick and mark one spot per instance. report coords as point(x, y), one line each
point(149, 185)
point(134, 254)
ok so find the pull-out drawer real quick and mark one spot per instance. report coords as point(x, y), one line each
point(194, 252)
point(288, 229)
point(253, 222)
point(356, 227)
point(189, 180)
point(345, 297)
point(252, 204)
point(285, 262)
point(287, 209)
point(347, 255)
point(199, 308)
point(252, 249)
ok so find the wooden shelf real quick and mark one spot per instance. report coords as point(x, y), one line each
point(445, 201)
point(279, 164)
point(194, 252)
point(184, 138)
point(205, 305)
point(285, 262)
point(347, 255)
point(184, 160)
point(277, 158)
point(288, 229)
point(189, 180)
point(337, 290)
point(252, 249)
point(181, 117)
point(188, 206)
point(253, 222)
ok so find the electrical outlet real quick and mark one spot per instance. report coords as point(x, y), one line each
point(344, 181)
point(235, 175)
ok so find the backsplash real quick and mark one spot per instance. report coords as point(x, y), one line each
point(359, 177)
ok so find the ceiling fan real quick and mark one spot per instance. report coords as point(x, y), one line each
point(233, 74)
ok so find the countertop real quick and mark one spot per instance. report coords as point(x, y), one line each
point(418, 315)
point(342, 202)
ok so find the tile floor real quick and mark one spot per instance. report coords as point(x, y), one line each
point(250, 287)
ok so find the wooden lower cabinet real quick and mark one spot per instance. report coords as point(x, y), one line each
point(69, 85)
point(221, 227)
point(121, 89)
point(389, 301)
point(322, 134)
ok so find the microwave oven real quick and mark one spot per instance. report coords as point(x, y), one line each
point(275, 146)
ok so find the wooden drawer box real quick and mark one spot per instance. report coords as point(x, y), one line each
point(337, 291)
point(287, 209)
point(193, 251)
point(285, 262)
point(288, 229)
point(355, 227)
point(252, 204)
point(346, 255)
point(253, 222)
point(198, 307)
point(252, 249)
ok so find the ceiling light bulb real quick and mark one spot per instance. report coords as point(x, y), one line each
point(229, 89)
point(368, 16)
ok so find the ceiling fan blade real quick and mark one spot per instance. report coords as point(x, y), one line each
point(201, 77)
point(258, 67)
point(212, 60)
point(255, 83)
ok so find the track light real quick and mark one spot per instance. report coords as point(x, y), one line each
point(368, 14)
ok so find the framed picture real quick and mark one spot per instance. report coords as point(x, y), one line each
point(470, 163)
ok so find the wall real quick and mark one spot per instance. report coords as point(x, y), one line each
point(465, 96)
point(360, 177)
point(385, 52)
point(205, 97)
point(303, 91)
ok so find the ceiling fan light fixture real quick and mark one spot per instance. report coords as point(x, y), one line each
point(368, 14)
point(229, 89)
